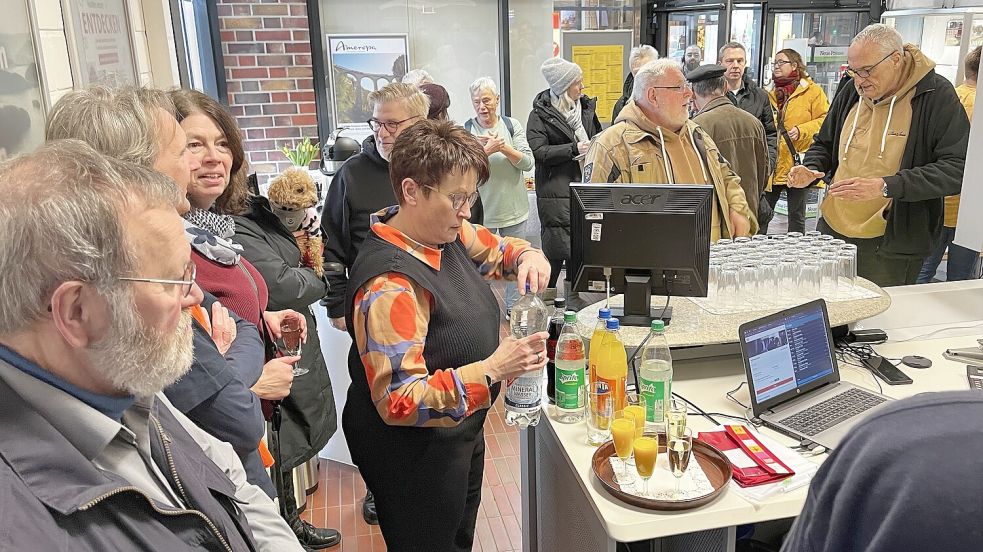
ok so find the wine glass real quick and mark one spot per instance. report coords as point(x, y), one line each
point(675, 417)
point(290, 341)
point(646, 451)
point(680, 449)
point(623, 433)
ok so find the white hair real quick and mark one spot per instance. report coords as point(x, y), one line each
point(62, 219)
point(646, 76)
point(880, 36)
point(482, 84)
point(640, 55)
point(417, 77)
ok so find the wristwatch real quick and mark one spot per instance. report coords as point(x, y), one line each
point(884, 190)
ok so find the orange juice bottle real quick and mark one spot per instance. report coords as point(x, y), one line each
point(612, 364)
point(596, 341)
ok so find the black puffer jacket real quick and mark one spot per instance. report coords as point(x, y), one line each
point(753, 99)
point(554, 146)
point(309, 417)
point(625, 96)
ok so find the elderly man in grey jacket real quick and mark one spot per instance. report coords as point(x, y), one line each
point(94, 322)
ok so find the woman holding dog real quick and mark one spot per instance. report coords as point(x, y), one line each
point(265, 275)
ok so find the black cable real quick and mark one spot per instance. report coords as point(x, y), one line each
point(634, 354)
point(697, 408)
point(848, 352)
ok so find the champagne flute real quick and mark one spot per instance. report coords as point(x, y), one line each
point(680, 450)
point(623, 433)
point(635, 405)
point(675, 417)
point(290, 338)
point(646, 451)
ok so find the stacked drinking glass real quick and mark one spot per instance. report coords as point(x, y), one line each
point(780, 270)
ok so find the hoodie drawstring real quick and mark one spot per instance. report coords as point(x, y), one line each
point(887, 124)
point(692, 142)
point(665, 156)
point(887, 127)
point(853, 129)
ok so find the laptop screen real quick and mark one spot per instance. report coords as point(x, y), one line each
point(787, 351)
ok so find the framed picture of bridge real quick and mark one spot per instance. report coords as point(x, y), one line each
point(359, 65)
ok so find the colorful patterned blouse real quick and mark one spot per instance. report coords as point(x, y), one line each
point(391, 317)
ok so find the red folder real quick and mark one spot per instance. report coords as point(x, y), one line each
point(753, 464)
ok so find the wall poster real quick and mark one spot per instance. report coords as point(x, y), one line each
point(21, 95)
point(603, 67)
point(357, 66)
point(101, 44)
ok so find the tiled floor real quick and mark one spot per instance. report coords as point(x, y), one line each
point(337, 503)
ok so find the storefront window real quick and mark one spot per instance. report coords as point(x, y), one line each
point(21, 104)
point(745, 27)
point(822, 39)
point(694, 28)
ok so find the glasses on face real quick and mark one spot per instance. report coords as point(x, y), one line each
point(458, 199)
point(486, 101)
point(780, 63)
point(186, 283)
point(865, 72)
point(391, 126)
point(678, 88)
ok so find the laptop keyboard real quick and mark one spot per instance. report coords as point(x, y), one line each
point(822, 416)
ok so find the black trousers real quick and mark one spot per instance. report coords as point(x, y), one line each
point(796, 198)
point(555, 268)
point(871, 264)
point(429, 503)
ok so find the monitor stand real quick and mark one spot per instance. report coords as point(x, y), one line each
point(638, 310)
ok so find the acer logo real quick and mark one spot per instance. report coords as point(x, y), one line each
point(639, 199)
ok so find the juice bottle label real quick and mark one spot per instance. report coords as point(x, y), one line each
point(656, 394)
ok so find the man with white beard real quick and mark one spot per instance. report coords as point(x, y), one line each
point(94, 322)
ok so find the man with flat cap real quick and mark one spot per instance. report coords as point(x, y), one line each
point(739, 135)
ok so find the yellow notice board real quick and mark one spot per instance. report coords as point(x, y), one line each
point(603, 68)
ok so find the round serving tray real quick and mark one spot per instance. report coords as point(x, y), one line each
point(716, 466)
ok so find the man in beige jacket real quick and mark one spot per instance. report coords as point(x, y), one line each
point(654, 142)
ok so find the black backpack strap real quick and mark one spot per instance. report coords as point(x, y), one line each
point(508, 126)
point(796, 158)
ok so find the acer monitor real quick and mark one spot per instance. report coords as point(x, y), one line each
point(641, 240)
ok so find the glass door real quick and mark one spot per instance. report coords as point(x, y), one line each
point(942, 37)
point(745, 27)
point(822, 39)
point(694, 28)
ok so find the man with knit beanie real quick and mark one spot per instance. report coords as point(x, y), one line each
point(892, 146)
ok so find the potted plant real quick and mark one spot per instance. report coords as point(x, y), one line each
point(301, 155)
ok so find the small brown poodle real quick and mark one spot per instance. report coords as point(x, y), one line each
point(293, 197)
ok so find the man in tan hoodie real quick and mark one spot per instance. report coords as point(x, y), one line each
point(892, 146)
point(654, 142)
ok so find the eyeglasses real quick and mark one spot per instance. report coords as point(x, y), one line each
point(186, 284)
point(779, 63)
point(866, 71)
point(458, 199)
point(678, 88)
point(391, 126)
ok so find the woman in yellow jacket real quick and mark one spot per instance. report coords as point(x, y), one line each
point(800, 107)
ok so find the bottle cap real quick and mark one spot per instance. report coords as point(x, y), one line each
point(604, 313)
point(559, 302)
point(613, 324)
point(658, 325)
point(570, 317)
point(528, 287)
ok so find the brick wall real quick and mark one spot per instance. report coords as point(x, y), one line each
point(267, 51)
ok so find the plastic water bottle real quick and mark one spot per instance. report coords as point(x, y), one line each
point(655, 376)
point(556, 324)
point(524, 394)
point(570, 364)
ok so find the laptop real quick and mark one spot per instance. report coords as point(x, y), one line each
point(794, 380)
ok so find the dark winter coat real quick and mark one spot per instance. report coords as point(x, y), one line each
point(309, 417)
point(554, 147)
point(753, 99)
point(625, 96)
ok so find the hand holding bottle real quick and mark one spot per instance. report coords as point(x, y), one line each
point(514, 357)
